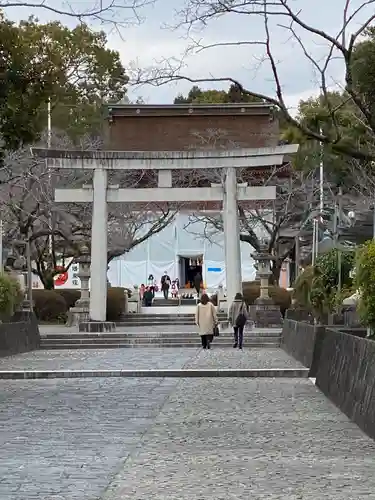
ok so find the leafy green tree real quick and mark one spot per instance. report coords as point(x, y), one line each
point(345, 119)
point(71, 67)
point(24, 87)
point(365, 281)
point(198, 96)
point(316, 289)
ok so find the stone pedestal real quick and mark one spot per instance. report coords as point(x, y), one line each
point(266, 313)
point(81, 310)
point(133, 306)
point(97, 327)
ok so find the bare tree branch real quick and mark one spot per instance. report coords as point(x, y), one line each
point(355, 20)
point(30, 213)
point(116, 14)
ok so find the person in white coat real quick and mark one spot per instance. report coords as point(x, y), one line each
point(206, 320)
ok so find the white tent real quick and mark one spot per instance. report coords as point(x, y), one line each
point(166, 251)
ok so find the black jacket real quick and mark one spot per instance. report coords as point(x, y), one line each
point(165, 281)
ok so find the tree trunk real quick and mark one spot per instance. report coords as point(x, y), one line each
point(49, 283)
point(45, 275)
point(46, 279)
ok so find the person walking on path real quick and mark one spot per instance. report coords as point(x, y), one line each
point(165, 284)
point(206, 320)
point(238, 316)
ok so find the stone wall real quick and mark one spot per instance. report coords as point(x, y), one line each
point(17, 337)
point(346, 374)
point(304, 341)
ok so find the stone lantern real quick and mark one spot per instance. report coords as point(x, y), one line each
point(81, 310)
point(267, 314)
point(263, 267)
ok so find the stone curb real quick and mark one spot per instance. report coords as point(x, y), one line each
point(178, 373)
point(152, 345)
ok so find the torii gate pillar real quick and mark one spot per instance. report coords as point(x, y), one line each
point(232, 236)
point(98, 293)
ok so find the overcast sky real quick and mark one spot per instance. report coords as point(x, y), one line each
point(150, 42)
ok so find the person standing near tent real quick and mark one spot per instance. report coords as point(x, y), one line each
point(148, 297)
point(238, 316)
point(165, 284)
point(197, 283)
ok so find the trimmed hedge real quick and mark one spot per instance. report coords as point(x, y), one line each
point(70, 295)
point(115, 303)
point(251, 291)
point(280, 296)
point(53, 305)
point(49, 305)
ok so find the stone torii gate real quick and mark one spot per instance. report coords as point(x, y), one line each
point(164, 162)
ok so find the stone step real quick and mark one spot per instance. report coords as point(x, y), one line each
point(188, 302)
point(158, 373)
point(149, 320)
point(169, 303)
point(133, 345)
point(174, 316)
point(158, 315)
point(147, 341)
point(151, 335)
point(150, 324)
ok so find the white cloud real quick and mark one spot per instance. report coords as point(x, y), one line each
point(148, 44)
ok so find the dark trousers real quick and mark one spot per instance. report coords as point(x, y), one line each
point(166, 292)
point(206, 340)
point(198, 289)
point(238, 335)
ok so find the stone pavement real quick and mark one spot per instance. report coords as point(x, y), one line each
point(161, 358)
point(187, 439)
point(99, 359)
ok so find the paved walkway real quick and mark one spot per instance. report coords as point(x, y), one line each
point(160, 358)
point(142, 439)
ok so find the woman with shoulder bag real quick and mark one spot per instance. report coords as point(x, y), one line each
point(238, 316)
point(206, 320)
